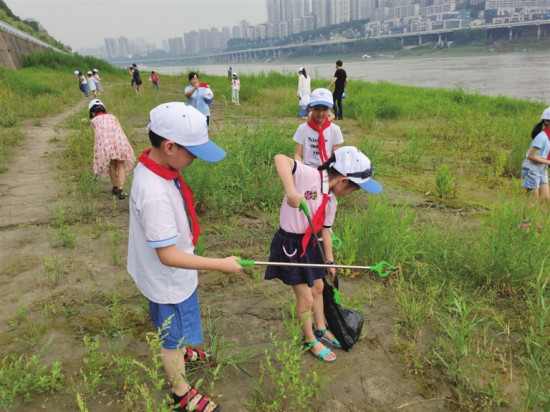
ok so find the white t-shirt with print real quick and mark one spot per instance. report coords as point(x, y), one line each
point(308, 138)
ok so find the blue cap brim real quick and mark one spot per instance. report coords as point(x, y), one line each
point(371, 186)
point(321, 103)
point(209, 151)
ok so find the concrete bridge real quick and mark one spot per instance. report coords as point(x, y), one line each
point(15, 44)
point(536, 30)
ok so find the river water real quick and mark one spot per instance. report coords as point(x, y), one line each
point(523, 75)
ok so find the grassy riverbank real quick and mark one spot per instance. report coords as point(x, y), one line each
point(469, 304)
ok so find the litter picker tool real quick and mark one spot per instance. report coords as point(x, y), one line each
point(382, 268)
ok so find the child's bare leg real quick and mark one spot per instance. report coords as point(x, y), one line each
point(318, 308)
point(121, 171)
point(304, 306)
point(112, 172)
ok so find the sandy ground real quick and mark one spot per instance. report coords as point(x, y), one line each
point(49, 312)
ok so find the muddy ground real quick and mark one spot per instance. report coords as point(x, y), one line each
point(53, 296)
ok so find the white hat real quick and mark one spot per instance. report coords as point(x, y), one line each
point(89, 72)
point(76, 73)
point(96, 71)
point(545, 114)
point(234, 73)
point(186, 126)
point(350, 162)
point(301, 69)
point(304, 101)
point(208, 94)
point(321, 97)
point(95, 102)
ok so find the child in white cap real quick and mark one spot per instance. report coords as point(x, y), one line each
point(345, 171)
point(98, 82)
point(235, 89)
point(534, 169)
point(161, 246)
point(91, 83)
point(318, 138)
point(113, 154)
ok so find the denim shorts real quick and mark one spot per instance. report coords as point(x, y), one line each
point(534, 174)
point(185, 325)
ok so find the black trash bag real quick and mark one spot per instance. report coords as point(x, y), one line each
point(345, 324)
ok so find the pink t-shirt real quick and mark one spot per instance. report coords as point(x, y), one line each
point(309, 182)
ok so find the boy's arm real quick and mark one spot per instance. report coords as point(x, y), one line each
point(332, 82)
point(171, 256)
point(284, 165)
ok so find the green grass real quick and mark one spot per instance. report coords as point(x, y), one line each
point(448, 219)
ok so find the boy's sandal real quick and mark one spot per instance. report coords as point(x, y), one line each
point(323, 355)
point(122, 194)
point(196, 355)
point(321, 335)
point(200, 406)
point(114, 191)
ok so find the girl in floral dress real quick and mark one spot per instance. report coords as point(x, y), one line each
point(113, 155)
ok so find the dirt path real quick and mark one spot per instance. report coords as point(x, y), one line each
point(371, 377)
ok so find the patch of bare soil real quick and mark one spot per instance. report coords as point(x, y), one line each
point(52, 296)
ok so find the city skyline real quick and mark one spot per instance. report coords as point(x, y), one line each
point(81, 24)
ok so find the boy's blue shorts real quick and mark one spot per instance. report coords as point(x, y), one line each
point(534, 174)
point(185, 325)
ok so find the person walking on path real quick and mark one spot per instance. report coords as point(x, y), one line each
point(162, 240)
point(91, 84)
point(229, 73)
point(82, 83)
point(98, 82)
point(318, 138)
point(340, 82)
point(235, 89)
point(346, 171)
point(113, 154)
point(155, 79)
point(196, 95)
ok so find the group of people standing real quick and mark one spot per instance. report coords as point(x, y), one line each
point(339, 81)
point(90, 83)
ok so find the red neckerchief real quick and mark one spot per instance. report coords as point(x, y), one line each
point(317, 220)
point(321, 141)
point(186, 191)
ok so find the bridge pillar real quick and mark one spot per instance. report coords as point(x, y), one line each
point(510, 34)
point(420, 40)
point(538, 32)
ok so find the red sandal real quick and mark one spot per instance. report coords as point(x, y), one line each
point(196, 355)
point(200, 406)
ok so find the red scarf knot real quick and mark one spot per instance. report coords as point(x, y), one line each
point(321, 140)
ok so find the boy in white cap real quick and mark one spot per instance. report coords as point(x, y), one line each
point(162, 240)
point(344, 172)
point(318, 138)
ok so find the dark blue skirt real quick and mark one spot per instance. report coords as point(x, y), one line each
point(287, 247)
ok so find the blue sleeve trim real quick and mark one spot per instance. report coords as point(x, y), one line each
point(162, 243)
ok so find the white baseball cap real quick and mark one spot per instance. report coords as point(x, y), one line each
point(186, 126)
point(321, 97)
point(352, 163)
point(95, 102)
point(89, 72)
point(96, 71)
point(234, 73)
point(76, 73)
point(545, 114)
point(208, 94)
point(301, 69)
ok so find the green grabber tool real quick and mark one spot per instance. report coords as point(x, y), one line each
point(382, 268)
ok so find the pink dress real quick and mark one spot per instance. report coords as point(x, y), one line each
point(110, 143)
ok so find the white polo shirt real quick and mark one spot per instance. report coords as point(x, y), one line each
point(309, 138)
point(158, 218)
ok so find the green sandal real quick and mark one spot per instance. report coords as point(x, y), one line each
point(321, 335)
point(323, 355)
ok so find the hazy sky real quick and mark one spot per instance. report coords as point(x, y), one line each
point(85, 23)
